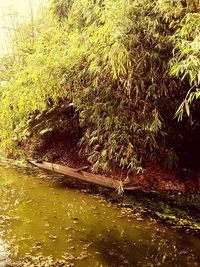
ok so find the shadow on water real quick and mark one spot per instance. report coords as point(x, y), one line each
point(187, 204)
point(116, 251)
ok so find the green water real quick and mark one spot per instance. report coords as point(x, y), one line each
point(41, 218)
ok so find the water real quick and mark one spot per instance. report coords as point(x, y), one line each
point(42, 222)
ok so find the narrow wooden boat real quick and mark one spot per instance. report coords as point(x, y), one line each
point(80, 174)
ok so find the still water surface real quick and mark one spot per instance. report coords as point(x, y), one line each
point(39, 216)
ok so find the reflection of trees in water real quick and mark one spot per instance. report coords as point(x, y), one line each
point(158, 250)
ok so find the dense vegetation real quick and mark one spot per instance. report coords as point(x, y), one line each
point(131, 69)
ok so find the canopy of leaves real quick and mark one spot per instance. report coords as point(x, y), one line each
point(126, 65)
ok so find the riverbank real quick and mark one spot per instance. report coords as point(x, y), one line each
point(154, 176)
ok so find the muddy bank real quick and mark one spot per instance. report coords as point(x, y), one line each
point(155, 177)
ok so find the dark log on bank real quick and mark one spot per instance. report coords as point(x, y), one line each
point(80, 174)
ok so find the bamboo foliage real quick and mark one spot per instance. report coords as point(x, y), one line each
point(117, 62)
point(186, 61)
